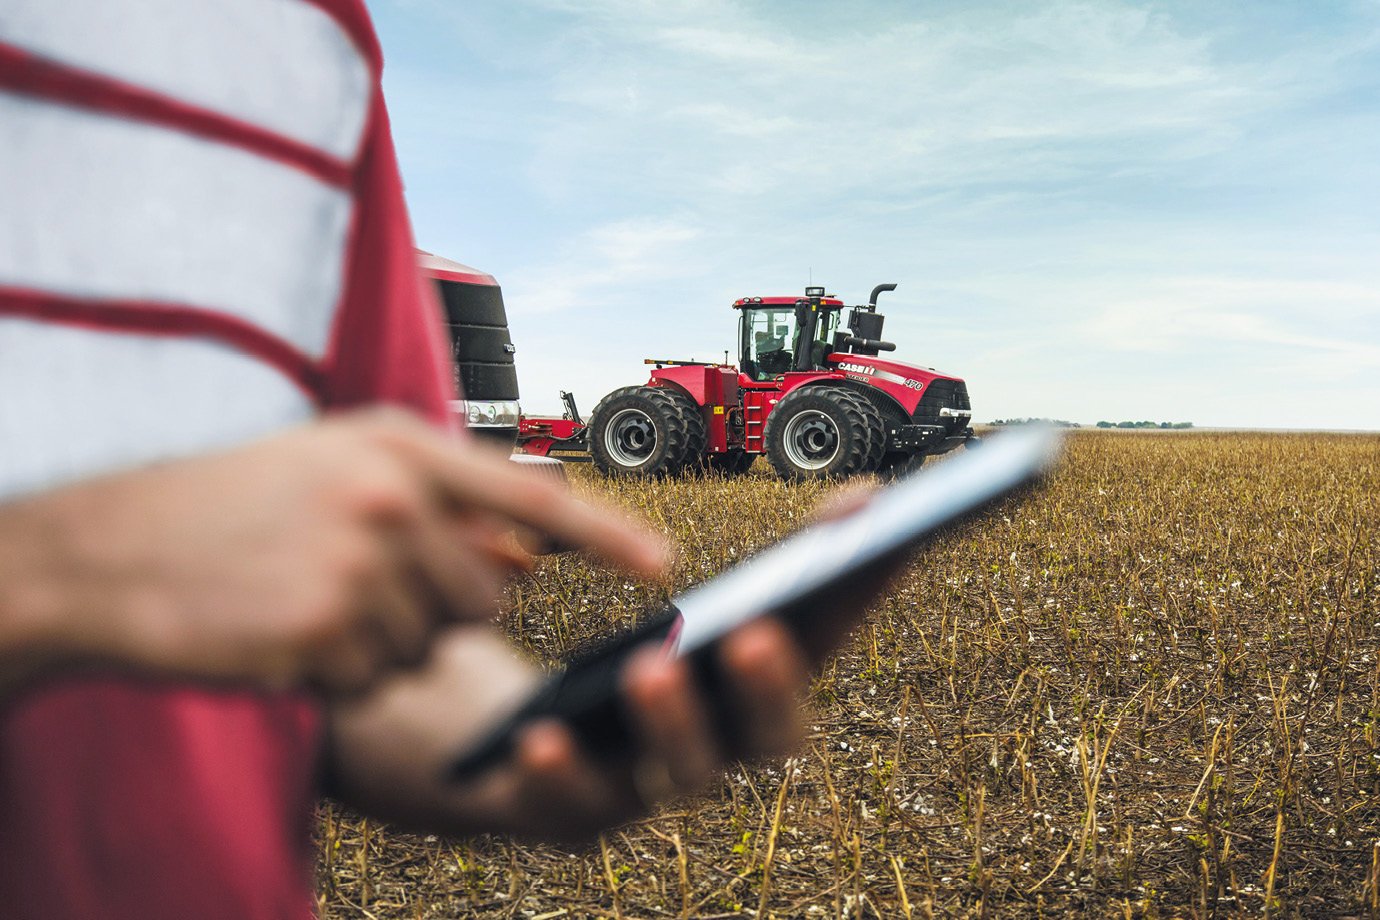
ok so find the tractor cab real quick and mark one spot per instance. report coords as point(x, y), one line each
point(777, 335)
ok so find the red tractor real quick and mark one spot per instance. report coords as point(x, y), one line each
point(816, 399)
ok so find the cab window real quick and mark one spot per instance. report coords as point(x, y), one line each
point(767, 340)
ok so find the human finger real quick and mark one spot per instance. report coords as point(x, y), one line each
point(402, 605)
point(767, 671)
point(678, 747)
point(504, 548)
point(559, 781)
point(347, 664)
point(455, 561)
point(472, 477)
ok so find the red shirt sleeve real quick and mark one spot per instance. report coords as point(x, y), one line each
point(388, 345)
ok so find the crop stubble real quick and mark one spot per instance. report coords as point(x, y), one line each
point(1150, 690)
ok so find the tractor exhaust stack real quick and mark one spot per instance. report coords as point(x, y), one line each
point(877, 292)
point(865, 326)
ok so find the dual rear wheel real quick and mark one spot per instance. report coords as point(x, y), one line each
point(822, 432)
point(816, 432)
point(646, 431)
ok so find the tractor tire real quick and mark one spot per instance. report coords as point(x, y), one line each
point(639, 431)
point(876, 428)
point(819, 432)
point(731, 463)
point(691, 416)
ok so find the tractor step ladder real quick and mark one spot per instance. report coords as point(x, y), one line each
point(752, 426)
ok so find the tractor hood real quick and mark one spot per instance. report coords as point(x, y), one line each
point(905, 383)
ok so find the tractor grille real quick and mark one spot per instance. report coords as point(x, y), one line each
point(943, 393)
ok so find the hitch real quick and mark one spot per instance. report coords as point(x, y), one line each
point(571, 412)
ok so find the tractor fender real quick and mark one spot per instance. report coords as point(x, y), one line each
point(891, 408)
point(706, 384)
point(656, 380)
point(713, 389)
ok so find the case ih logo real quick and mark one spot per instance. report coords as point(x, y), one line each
point(876, 374)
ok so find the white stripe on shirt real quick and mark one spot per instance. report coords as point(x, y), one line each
point(78, 402)
point(97, 206)
point(284, 65)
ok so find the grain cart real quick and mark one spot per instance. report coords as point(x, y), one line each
point(812, 394)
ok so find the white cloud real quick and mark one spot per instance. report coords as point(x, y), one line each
point(896, 105)
point(726, 46)
point(1293, 326)
point(604, 258)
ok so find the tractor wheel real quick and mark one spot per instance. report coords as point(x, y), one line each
point(640, 431)
point(689, 416)
point(818, 432)
point(876, 428)
point(731, 463)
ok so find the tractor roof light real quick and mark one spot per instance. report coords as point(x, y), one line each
point(814, 292)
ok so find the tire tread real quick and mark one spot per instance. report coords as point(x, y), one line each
point(856, 450)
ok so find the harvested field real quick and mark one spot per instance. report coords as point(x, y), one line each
point(1151, 690)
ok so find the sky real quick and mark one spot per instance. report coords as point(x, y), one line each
point(1093, 210)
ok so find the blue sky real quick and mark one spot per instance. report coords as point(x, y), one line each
point(1094, 210)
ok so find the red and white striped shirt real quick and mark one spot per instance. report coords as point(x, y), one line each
point(202, 241)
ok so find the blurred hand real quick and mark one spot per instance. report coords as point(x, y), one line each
point(325, 556)
point(390, 749)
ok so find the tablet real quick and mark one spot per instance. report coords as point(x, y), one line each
point(798, 580)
